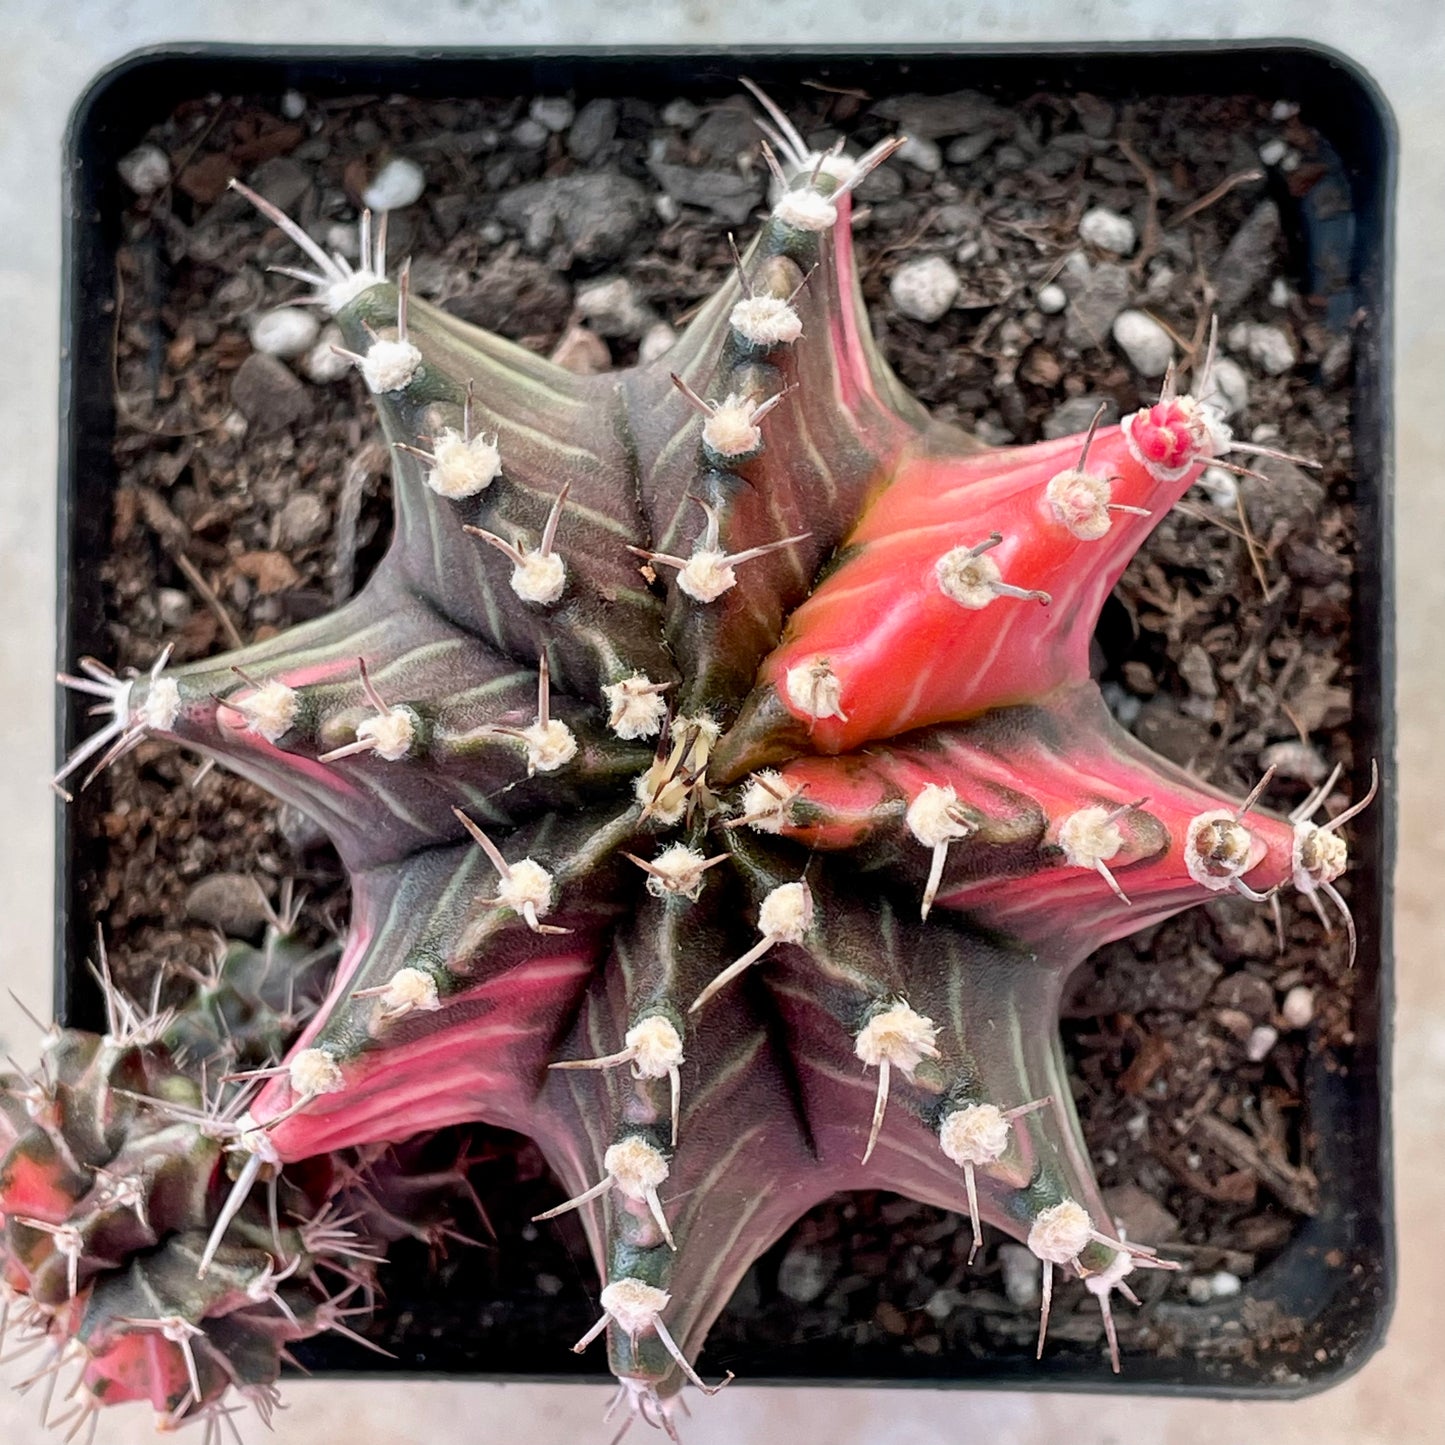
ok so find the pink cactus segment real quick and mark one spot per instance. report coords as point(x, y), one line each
point(903, 669)
point(855, 376)
point(138, 1365)
point(482, 1065)
point(34, 1188)
point(1023, 781)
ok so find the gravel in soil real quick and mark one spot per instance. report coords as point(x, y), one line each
point(253, 493)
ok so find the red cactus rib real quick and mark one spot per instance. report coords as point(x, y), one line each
point(1021, 776)
point(909, 630)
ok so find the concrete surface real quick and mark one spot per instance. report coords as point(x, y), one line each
point(48, 53)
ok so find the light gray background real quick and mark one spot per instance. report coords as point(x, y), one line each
point(49, 49)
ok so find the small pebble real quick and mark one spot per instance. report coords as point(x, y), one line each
point(286, 331)
point(1144, 341)
point(1220, 486)
point(922, 155)
point(595, 125)
point(1298, 1008)
point(555, 112)
point(1198, 672)
point(303, 520)
point(146, 169)
point(924, 289)
point(530, 135)
point(1280, 294)
point(344, 240)
point(968, 252)
point(803, 1275)
point(1075, 415)
point(230, 902)
point(658, 341)
point(322, 364)
point(1272, 152)
point(1270, 350)
point(991, 431)
point(268, 395)
point(1199, 1290)
point(1224, 1285)
point(398, 183)
point(1228, 387)
point(680, 114)
point(1108, 230)
point(1161, 282)
point(293, 105)
point(1297, 761)
point(1123, 704)
point(1051, 299)
point(1021, 1275)
point(614, 308)
point(942, 1303)
point(1260, 1042)
point(173, 606)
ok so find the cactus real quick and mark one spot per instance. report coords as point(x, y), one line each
point(113, 1175)
point(723, 788)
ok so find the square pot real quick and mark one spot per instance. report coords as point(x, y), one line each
point(1332, 1282)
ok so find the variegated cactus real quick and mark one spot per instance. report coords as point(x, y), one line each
point(724, 791)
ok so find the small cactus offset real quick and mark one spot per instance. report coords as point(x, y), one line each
point(726, 801)
point(116, 1153)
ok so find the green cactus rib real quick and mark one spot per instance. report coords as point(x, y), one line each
point(724, 791)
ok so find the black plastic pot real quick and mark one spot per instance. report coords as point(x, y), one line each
point(1334, 1280)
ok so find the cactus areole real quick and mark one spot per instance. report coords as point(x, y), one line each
point(724, 792)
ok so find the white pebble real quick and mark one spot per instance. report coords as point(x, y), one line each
point(1224, 1285)
point(173, 606)
point(1270, 349)
point(286, 331)
point(681, 114)
point(555, 112)
point(1280, 294)
point(1228, 387)
point(1272, 152)
point(658, 340)
point(1144, 341)
point(924, 289)
point(1260, 1042)
point(293, 105)
point(1221, 487)
point(1124, 705)
point(922, 155)
point(1108, 230)
point(1298, 1008)
point(344, 240)
point(1020, 1275)
point(323, 364)
point(1051, 299)
point(398, 183)
point(146, 169)
point(530, 134)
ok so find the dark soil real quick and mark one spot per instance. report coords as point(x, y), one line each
point(1219, 660)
